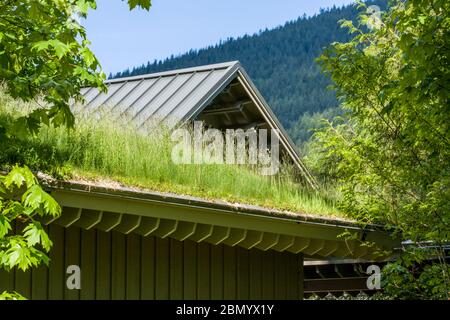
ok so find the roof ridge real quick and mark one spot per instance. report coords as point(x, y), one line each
point(215, 66)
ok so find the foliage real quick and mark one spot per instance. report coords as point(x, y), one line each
point(309, 123)
point(44, 54)
point(11, 296)
point(391, 152)
point(414, 281)
point(44, 51)
point(21, 248)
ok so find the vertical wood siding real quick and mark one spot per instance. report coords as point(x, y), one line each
point(118, 266)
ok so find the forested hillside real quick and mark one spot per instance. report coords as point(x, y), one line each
point(281, 62)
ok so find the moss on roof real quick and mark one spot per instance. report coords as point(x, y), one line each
point(109, 149)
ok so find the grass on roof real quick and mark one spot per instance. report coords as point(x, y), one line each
point(110, 149)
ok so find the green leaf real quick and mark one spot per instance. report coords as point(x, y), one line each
point(18, 255)
point(35, 234)
point(11, 296)
point(58, 46)
point(33, 197)
point(18, 176)
point(5, 226)
point(39, 256)
point(51, 207)
point(41, 45)
point(144, 4)
point(83, 6)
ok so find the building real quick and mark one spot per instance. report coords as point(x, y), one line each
point(134, 244)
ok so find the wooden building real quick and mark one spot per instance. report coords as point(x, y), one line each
point(145, 245)
point(132, 244)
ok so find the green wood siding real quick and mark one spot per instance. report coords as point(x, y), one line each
point(118, 266)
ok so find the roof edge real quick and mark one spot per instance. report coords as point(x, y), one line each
point(273, 120)
point(226, 79)
point(216, 66)
point(148, 195)
point(312, 236)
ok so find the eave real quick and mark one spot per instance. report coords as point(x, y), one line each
point(188, 218)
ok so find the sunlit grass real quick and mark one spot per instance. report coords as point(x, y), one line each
point(112, 149)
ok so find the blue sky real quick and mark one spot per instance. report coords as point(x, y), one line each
point(122, 39)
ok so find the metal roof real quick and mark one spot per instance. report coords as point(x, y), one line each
point(178, 96)
point(171, 96)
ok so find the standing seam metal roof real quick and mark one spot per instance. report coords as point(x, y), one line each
point(171, 96)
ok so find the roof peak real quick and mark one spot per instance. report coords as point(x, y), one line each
point(215, 66)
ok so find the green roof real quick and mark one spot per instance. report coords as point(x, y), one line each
point(183, 218)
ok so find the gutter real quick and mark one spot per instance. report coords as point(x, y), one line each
point(217, 222)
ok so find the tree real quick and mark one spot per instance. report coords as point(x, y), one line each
point(44, 53)
point(391, 151)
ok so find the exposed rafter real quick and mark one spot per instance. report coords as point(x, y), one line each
point(188, 218)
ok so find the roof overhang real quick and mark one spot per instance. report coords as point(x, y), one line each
point(216, 222)
point(238, 74)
